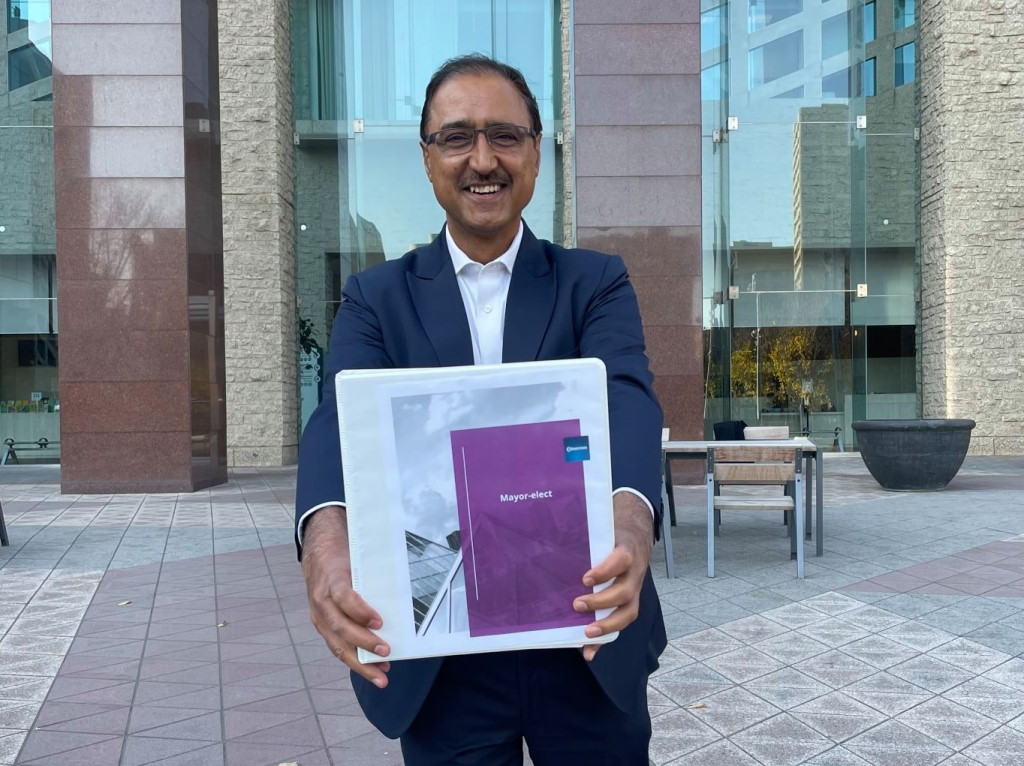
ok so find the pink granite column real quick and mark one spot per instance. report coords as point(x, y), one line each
point(638, 186)
point(139, 245)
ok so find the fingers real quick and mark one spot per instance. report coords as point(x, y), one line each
point(356, 609)
point(616, 563)
point(375, 674)
point(617, 620)
point(589, 651)
point(343, 637)
point(615, 595)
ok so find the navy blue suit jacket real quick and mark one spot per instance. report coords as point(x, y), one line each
point(561, 304)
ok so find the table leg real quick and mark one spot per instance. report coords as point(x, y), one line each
point(807, 493)
point(819, 506)
point(668, 491)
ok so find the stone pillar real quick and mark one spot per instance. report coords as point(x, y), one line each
point(638, 186)
point(139, 249)
point(971, 79)
point(259, 239)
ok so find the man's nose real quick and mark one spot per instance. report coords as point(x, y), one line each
point(482, 157)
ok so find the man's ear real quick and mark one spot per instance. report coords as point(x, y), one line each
point(426, 160)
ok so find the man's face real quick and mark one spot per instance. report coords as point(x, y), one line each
point(483, 191)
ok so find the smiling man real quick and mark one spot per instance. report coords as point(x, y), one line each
point(484, 292)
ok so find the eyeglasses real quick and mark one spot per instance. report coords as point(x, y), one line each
point(501, 138)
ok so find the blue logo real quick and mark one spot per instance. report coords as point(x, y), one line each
point(577, 448)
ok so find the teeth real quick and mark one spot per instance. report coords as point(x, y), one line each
point(489, 189)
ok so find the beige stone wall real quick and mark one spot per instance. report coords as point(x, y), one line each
point(971, 59)
point(259, 241)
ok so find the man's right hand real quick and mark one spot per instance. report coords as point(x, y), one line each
point(339, 614)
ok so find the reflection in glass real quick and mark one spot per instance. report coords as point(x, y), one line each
point(835, 35)
point(712, 29)
point(29, 403)
point(29, 63)
point(800, 207)
point(763, 13)
point(869, 22)
point(21, 13)
point(776, 59)
point(903, 13)
point(904, 57)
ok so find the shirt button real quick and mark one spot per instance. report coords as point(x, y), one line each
point(487, 309)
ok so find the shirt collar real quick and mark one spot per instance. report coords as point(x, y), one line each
point(507, 259)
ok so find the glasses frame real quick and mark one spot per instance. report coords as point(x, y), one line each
point(431, 138)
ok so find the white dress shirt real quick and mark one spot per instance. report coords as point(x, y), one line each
point(484, 289)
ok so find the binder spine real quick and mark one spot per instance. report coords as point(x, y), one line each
point(351, 498)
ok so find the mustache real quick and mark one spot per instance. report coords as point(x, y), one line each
point(474, 179)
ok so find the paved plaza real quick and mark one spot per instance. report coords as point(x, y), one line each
point(173, 630)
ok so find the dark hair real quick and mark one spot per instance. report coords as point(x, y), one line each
point(478, 64)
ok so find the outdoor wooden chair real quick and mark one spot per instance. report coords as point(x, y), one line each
point(781, 466)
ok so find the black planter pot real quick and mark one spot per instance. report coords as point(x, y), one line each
point(913, 455)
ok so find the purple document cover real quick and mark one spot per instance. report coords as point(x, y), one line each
point(523, 527)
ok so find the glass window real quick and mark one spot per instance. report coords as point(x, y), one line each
point(869, 22)
point(362, 198)
point(905, 72)
point(776, 59)
point(852, 82)
point(21, 13)
point(903, 13)
point(713, 83)
point(835, 35)
point(28, 64)
point(712, 29)
point(763, 13)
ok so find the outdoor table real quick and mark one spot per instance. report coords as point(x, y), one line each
point(698, 450)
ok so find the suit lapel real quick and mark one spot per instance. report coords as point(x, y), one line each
point(438, 302)
point(531, 300)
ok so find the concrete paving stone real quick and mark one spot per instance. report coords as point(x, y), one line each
point(931, 673)
point(833, 632)
point(752, 629)
point(791, 647)
point(954, 620)
point(1000, 637)
point(832, 604)
point(909, 606)
point(707, 643)
point(837, 756)
point(872, 618)
point(718, 613)
point(11, 741)
point(835, 668)
point(743, 665)
point(887, 693)
point(1002, 747)
point(734, 709)
point(787, 688)
point(720, 753)
point(894, 744)
point(969, 655)
point(677, 734)
point(918, 636)
point(837, 716)
point(670, 660)
point(878, 651)
point(794, 615)
point(947, 722)
point(681, 624)
point(1010, 673)
point(999, 702)
point(781, 741)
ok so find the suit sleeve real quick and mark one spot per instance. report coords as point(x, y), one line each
point(613, 332)
point(356, 343)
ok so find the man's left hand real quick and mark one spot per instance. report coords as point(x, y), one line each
point(626, 565)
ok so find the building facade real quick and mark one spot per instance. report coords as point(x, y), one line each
point(819, 204)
